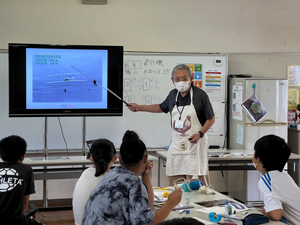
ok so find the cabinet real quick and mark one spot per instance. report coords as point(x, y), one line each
point(294, 143)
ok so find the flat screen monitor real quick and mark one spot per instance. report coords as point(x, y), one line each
point(65, 80)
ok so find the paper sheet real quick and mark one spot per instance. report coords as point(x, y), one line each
point(237, 100)
point(240, 134)
point(293, 74)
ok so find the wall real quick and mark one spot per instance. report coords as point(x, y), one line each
point(225, 26)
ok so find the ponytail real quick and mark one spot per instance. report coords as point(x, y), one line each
point(101, 167)
point(102, 152)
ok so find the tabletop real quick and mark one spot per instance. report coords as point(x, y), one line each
point(234, 155)
point(198, 210)
point(64, 160)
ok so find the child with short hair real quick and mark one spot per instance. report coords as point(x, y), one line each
point(16, 182)
point(281, 194)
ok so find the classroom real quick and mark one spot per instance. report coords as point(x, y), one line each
point(257, 38)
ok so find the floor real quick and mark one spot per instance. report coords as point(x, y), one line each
point(55, 217)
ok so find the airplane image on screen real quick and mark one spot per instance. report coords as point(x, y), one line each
point(67, 77)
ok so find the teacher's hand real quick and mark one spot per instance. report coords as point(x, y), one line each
point(133, 107)
point(194, 138)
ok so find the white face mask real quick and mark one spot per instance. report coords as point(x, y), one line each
point(254, 165)
point(182, 86)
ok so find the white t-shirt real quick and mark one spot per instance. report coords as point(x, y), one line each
point(83, 188)
point(281, 192)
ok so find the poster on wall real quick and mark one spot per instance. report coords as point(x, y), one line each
point(196, 70)
point(239, 134)
point(293, 75)
point(213, 81)
point(237, 100)
point(293, 99)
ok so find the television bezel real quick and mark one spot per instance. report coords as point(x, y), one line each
point(17, 82)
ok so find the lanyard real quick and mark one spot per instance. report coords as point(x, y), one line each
point(187, 97)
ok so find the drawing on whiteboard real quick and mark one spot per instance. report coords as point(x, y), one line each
point(127, 85)
point(128, 71)
point(135, 64)
point(159, 71)
point(131, 67)
point(148, 100)
point(146, 82)
point(128, 98)
point(151, 62)
point(143, 84)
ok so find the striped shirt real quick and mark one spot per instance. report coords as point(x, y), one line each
point(279, 191)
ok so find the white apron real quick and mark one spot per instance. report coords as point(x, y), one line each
point(185, 158)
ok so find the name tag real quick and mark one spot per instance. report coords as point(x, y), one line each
point(178, 124)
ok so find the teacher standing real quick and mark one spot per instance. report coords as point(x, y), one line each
point(192, 116)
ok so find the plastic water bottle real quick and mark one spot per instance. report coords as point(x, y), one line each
point(226, 208)
point(187, 199)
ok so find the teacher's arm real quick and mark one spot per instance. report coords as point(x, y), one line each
point(209, 122)
point(144, 108)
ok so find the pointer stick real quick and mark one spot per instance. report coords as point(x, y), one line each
point(114, 94)
point(107, 89)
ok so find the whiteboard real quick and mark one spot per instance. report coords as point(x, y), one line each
point(147, 80)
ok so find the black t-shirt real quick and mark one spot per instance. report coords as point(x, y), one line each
point(201, 103)
point(16, 181)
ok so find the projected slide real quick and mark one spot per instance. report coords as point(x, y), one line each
point(65, 78)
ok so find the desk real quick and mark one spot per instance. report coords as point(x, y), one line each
point(195, 197)
point(60, 171)
point(215, 163)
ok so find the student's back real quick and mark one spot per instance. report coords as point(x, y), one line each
point(281, 190)
point(120, 198)
point(16, 182)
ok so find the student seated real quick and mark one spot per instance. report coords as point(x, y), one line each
point(281, 194)
point(103, 155)
point(122, 197)
point(16, 182)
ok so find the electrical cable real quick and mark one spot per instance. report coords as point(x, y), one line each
point(62, 132)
